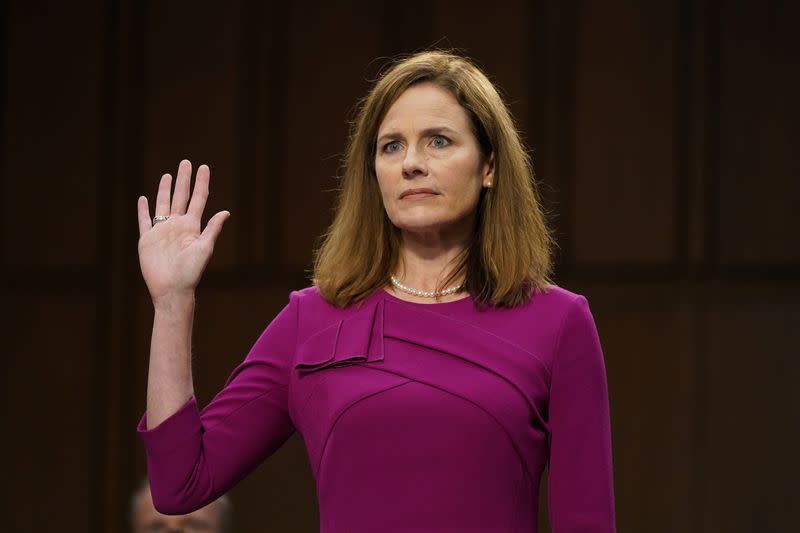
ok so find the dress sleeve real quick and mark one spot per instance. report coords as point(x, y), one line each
point(580, 479)
point(193, 458)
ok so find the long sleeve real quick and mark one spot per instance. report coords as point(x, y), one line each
point(193, 458)
point(580, 483)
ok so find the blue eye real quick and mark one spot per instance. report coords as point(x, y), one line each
point(391, 147)
point(439, 141)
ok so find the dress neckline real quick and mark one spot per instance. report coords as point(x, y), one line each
point(389, 296)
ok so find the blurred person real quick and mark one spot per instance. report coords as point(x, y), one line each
point(432, 368)
point(216, 517)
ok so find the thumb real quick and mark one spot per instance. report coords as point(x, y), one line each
point(214, 227)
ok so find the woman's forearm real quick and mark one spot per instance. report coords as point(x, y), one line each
point(169, 381)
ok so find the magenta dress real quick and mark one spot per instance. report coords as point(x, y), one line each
point(416, 417)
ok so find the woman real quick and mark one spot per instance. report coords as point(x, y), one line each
point(432, 368)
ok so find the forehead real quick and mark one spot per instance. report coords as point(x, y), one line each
point(425, 105)
point(146, 514)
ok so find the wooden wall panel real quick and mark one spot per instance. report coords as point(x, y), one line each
point(624, 204)
point(759, 135)
point(280, 495)
point(191, 91)
point(499, 39)
point(648, 334)
point(228, 321)
point(136, 387)
point(262, 139)
point(49, 401)
point(697, 135)
point(330, 52)
point(51, 151)
point(551, 29)
point(750, 456)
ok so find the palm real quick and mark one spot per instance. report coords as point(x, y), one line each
point(174, 253)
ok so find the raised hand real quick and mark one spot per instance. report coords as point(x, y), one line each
point(173, 253)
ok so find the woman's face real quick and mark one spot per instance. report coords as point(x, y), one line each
point(426, 142)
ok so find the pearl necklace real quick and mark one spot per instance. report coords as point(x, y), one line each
point(425, 294)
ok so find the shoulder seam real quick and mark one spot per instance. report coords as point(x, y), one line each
point(560, 333)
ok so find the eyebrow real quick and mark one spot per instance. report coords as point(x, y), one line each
point(427, 132)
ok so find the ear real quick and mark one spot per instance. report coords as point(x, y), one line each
point(487, 170)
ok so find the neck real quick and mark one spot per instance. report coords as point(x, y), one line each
point(428, 259)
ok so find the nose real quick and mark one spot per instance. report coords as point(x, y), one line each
point(414, 163)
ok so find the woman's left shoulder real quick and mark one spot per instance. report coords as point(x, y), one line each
point(554, 298)
point(547, 308)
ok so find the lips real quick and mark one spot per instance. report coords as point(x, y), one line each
point(417, 191)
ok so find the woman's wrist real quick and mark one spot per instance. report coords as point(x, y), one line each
point(174, 302)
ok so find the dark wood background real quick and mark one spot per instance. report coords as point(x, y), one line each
point(666, 138)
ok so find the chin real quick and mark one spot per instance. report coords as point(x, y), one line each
point(422, 219)
point(419, 224)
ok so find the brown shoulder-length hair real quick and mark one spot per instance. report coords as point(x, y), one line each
point(510, 252)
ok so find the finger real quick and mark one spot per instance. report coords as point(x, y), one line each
point(214, 227)
point(181, 195)
point(162, 199)
point(144, 215)
point(200, 193)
